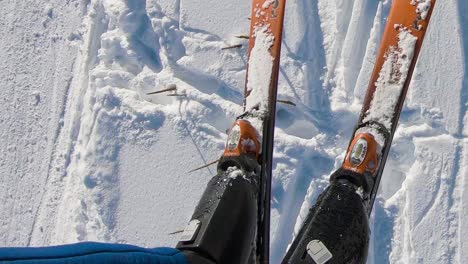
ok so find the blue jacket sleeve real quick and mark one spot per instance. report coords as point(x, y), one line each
point(91, 252)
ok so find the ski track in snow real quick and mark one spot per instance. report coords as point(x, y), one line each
point(37, 50)
point(103, 161)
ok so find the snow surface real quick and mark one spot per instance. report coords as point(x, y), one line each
point(87, 155)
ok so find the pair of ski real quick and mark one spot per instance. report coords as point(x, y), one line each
point(251, 137)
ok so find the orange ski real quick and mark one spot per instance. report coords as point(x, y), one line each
point(397, 57)
point(411, 16)
point(336, 229)
point(266, 29)
point(252, 134)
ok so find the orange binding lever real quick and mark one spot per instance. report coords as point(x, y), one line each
point(243, 139)
point(363, 154)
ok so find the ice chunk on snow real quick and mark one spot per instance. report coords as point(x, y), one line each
point(234, 172)
point(422, 8)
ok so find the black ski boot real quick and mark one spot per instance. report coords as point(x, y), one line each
point(223, 227)
point(335, 230)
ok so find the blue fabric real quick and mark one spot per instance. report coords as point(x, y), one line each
point(91, 252)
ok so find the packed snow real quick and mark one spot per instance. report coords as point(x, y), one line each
point(268, 3)
point(260, 69)
point(391, 80)
point(372, 129)
point(86, 154)
point(234, 172)
point(423, 7)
